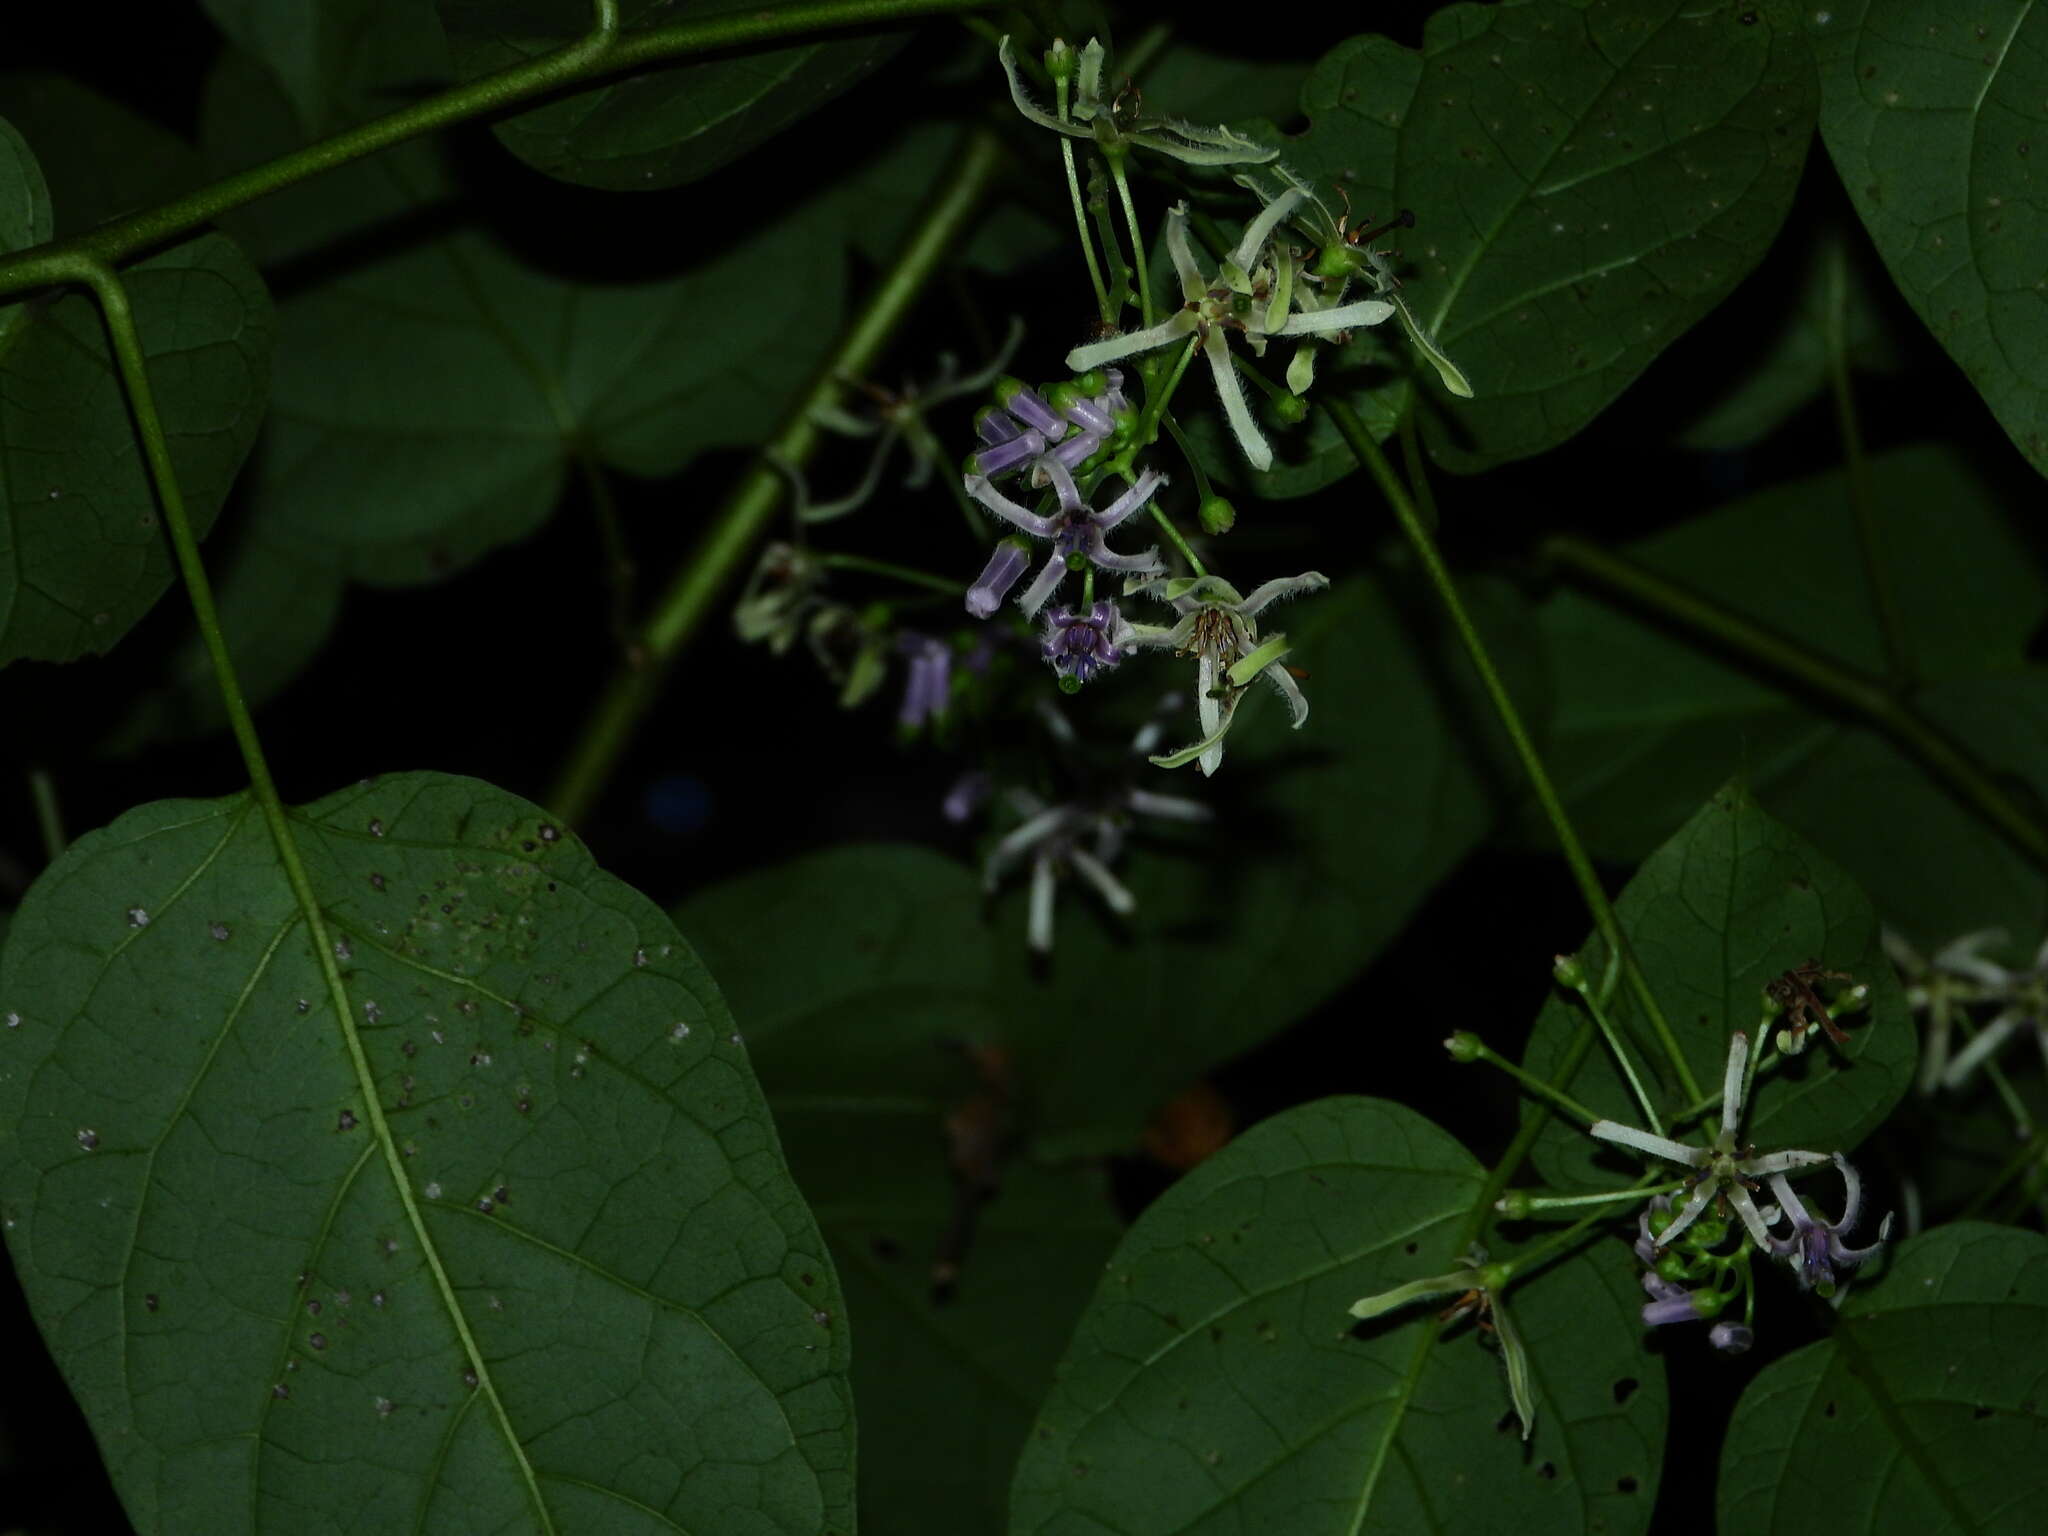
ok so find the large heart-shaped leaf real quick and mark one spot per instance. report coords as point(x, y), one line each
point(1216, 1384)
point(1733, 900)
point(472, 1221)
point(1589, 179)
point(1931, 114)
point(1648, 721)
point(1922, 1409)
point(339, 61)
point(81, 555)
point(654, 129)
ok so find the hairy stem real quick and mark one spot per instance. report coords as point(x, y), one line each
point(1944, 759)
point(1604, 920)
point(1102, 305)
point(737, 527)
point(602, 52)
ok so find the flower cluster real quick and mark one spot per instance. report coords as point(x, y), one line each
point(1690, 1277)
point(1962, 983)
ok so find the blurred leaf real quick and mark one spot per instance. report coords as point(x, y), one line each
point(1833, 290)
point(81, 556)
point(1733, 900)
point(1216, 1382)
point(1930, 114)
point(340, 61)
point(657, 128)
point(1619, 165)
point(1193, 84)
point(1647, 722)
point(859, 974)
point(1922, 1409)
point(511, 1233)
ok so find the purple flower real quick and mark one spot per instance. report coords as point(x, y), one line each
point(1815, 1248)
point(1670, 1302)
point(1731, 1338)
point(1004, 566)
point(1079, 644)
point(926, 690)
point(1076, 531)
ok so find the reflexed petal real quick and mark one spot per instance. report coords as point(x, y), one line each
point(1166, 807)
point(1341, 317)
point(1644, 1141)
point(1231, 393)
point(1062, 479)
point(1196, 145)
point(1096, 353)
point(1140, 492)
point(1260, 230)
point(1032, 831)
point(1752, 1218)
point(979, 488)
point(1779, 1162)
point(1267, 593)
point(1193, 286)
point(1290, 690)
point(1039, 930)
point(1097, 874)
point(1732, 1085)
point(1418, 333)
point(1042, 587)
point(1108, 559)
point(1982, 1048)
point(1696, 1202)
point(1852, 1193)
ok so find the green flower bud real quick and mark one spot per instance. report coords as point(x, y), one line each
point(1217, 515)
point(1059, 60)
point(1291, 409)
point(1569, 972)
point(1091, 383)
point(1514, 1205)
point(1464, 1046)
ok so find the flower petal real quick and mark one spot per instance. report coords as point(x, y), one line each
point(1231, 393)
point(1113, 348)
point(979, 488)
point(1341, 317)
point(1644, 1141)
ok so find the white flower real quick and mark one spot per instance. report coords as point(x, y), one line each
point(1099, 120)
point(1718, 1169)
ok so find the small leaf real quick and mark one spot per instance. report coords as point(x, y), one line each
point(1934, 1371)
point(652, 129)
point(1931, 116)
point(1216, 1381)
point(81, 554)
point(1589, 179)
point(1732, 901)
point(474, 1222)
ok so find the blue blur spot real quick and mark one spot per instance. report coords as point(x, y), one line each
point(679, 805)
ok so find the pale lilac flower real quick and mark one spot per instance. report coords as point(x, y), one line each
point(1220, 629)
point(1731, 1338)
point(966, 795)
point(1815, 1249)
point(1080, 643)
point(1028, 432)
point(1005, 564)
point(1669, 1302)
point(928, 683)
point(1076, 531)
point(1721, 1168)
point(1252, 294)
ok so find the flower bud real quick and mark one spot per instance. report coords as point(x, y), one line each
point(1464, 1046)
point(1291, 409)
point(1730, 1338)
point(1217, 515)
point(1514, 1205)
point(1059, 60)
point(1569, 972)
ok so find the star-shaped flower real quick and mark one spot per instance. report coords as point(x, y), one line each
point(1076, 530)
point(1220, 630)
point(1253, 293)
point(1720, 1169)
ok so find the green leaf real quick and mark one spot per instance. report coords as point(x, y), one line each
point(1216, 1382)
point(1922, 1409)
point(1733, 900)
point(477, 1222)
point(1589, 179)
point(81, 556)
point(1930, 115)
point(340, 61)
point(858, 974)
point(1833, 292)
point(1648, 721)
point(656, 129)
point(100, 159)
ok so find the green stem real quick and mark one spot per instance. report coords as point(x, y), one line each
point(703, 577)
point(1862, 500)
point(1609, 925)
point(2023, 1158)
point(618, 562)
point(129, 360)
point(604, 51)
point(1555, 1246)
point(1102, 304)
point(1518, 1149)
point(1534, 1084)
point(1417, 466)
point(1112, 252)
point(902, 573)
point(1944, 759)
point(1187, 452)
point(1621, 1056)
point(42, 790)
point(1139, 254)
